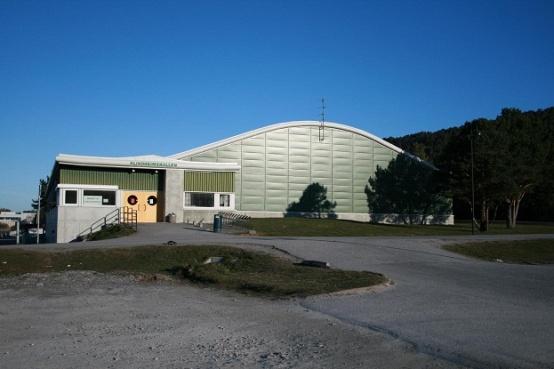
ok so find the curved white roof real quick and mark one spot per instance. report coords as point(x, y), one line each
point(272, 127)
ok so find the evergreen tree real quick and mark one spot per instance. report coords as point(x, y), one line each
point(408, 187)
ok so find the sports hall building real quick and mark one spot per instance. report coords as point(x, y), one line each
point(257, 173)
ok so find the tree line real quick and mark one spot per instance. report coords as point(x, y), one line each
point(513, 170)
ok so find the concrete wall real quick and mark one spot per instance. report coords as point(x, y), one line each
point(446, 219)
point(195, 216)
point(51, 227)
point(73, 220)
point(206, 216)
point(174, 181)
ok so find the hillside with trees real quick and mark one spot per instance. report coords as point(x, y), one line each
point(513, 168)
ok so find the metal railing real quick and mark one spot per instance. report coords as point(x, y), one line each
point(123, 215)
point(234, 219)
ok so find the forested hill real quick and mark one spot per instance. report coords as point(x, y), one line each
point(513, 161)
point(430, 146)
point(427, 145)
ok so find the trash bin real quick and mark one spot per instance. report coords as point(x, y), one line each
point(172, 218)
point(218, 223)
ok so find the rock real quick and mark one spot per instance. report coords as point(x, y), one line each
point(315, 263)
point(213, 260)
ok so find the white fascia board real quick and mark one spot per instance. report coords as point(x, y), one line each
point(83, 186)
point(273, 127)
point(143, 162)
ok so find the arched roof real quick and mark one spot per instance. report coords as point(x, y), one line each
point(273, 127)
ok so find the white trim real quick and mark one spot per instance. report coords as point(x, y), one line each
point(153, 162)
point(272, 127)
point(99, 187)
point(216, 201)
point(63, 193)
point(117, 198)
point(80, 193)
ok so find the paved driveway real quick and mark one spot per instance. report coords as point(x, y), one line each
point(470, 312)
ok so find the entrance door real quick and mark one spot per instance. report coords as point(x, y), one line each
point(144, 202)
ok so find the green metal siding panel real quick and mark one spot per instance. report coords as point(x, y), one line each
point(139, 180)
point(209, 181)
point(277, 166)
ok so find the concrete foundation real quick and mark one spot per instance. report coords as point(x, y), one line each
point(206, 216)
point(174, 180)
point(199, 216)
point(73, 220)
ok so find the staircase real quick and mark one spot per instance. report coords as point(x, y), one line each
point(123, 215)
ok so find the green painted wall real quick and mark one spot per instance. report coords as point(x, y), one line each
point(140, 180)
point(209, 181)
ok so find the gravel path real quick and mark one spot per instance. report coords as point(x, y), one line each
point(92, 320)
point(444, 309)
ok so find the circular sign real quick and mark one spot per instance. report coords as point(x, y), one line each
point(132, 200)
point(152, 200)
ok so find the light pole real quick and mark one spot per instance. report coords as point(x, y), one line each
point(38, 212)
point(472, 185)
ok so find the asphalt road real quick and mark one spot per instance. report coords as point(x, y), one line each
point(469, 312)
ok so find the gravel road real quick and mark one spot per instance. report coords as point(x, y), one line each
point(92, 320)
point(444, 310)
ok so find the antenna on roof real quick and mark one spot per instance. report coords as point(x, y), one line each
point(322, 121)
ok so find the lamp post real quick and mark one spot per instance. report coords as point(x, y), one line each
point(472, 179)
point(38, 212)
point(472, 185)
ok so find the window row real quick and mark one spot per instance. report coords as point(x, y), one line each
point(108, 197)
point(86, 197)
point(209, 200)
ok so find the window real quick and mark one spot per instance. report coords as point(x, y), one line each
point(152, 200)
point(224, 201)
point(98, 198)
point(199, 199)
point(70, 197)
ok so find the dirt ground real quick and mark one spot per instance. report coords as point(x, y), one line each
point(93, 320)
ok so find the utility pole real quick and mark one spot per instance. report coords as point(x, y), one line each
point(322, 121)
point(472, 186)
point(38, 212)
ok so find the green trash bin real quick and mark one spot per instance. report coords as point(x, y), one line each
point(218, 223)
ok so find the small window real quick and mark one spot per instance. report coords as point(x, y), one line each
point(98, 198)
point(152, 200)
point(132, 200)
point(199, 199)
point(224, 201)
point(70, 197)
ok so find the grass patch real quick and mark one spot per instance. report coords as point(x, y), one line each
point(112, 231)
point(244, 271)
point(299, 227)
point(520, 252)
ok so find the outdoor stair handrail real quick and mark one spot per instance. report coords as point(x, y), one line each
point(123, 215)
point(232, 218)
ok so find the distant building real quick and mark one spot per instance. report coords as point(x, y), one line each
point(257, 173)
point(10, 217)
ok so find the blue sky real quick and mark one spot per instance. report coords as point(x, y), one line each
point(122, 78)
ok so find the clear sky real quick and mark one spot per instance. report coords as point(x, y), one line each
point(118, 78)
